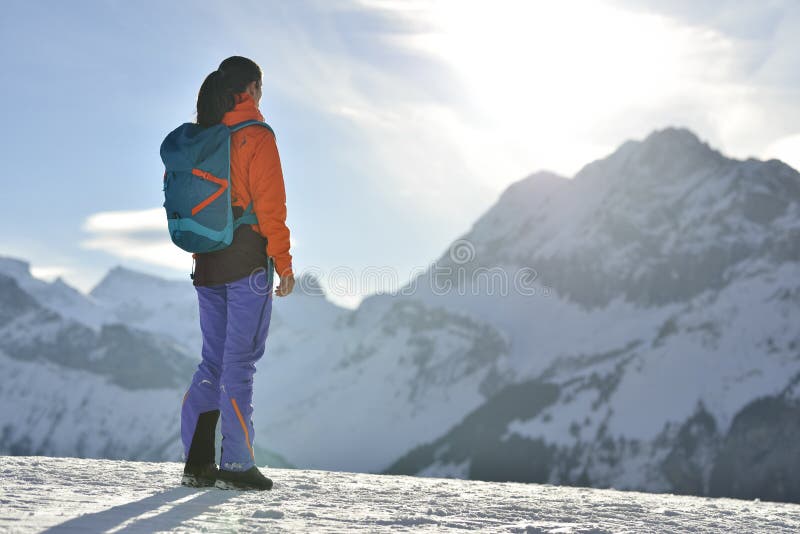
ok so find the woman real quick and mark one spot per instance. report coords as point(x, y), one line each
point(234, 288)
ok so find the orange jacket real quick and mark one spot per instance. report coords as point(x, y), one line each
point(256, 176)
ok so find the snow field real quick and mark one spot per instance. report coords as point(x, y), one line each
point(78, 495)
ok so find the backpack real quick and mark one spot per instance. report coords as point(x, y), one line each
point(197, 186)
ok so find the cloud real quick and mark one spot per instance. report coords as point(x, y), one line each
point(521, 86)
point(126, 221)
point(394, 119)
point(748, 19)
point(753, 102)
point(135, 235)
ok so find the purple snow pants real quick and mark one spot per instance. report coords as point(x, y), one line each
point(234, 320)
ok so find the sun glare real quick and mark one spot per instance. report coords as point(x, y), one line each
point(542, 73)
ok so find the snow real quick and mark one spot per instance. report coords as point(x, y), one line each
point(67, 411)
point(167, 307)
point(369, 391)
point(79, 495)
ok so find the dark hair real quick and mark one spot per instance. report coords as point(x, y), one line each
point(217, 94)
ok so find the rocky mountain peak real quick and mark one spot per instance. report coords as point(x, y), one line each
point(659, 220)
point(14, 267)
point(533, 186)
point(665, 156)
point(673, 137)
point(673, 146)
point(121, 283)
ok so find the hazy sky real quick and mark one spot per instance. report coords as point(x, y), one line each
point(398, 123)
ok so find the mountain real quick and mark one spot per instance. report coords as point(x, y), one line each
point(75, 495)
point(364, 388)
point(632, 327)
point(168, 307)
point(125, 356)
point(80, 384)
point(56, 296)
point(72, 389)
point(658, 221)
point(656, 347)
point(333, 374)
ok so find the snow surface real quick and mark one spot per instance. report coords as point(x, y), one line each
point(79, 495)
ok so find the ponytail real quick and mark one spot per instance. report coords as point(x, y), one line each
point(218, 93)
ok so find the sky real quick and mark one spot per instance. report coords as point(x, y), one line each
point(398, 123)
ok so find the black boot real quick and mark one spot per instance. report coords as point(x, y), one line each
point(200, 469)
point(199, 475)
point(252, 479)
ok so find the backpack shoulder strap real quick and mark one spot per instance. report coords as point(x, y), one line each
point(239, 126)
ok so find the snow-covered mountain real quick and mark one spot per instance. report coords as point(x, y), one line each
point(80, 388)
point(660, 349)
point(632, 327)
point(153, 304)
point(55, 296)
point(130, 358)
point(658, 221)
point(87, 382)
point(330, 374)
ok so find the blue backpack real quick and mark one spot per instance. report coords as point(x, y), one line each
point(197, 186)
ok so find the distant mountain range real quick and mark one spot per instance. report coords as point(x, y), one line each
point(634, 327)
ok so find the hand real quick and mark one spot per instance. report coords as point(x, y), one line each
point(286, 285)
